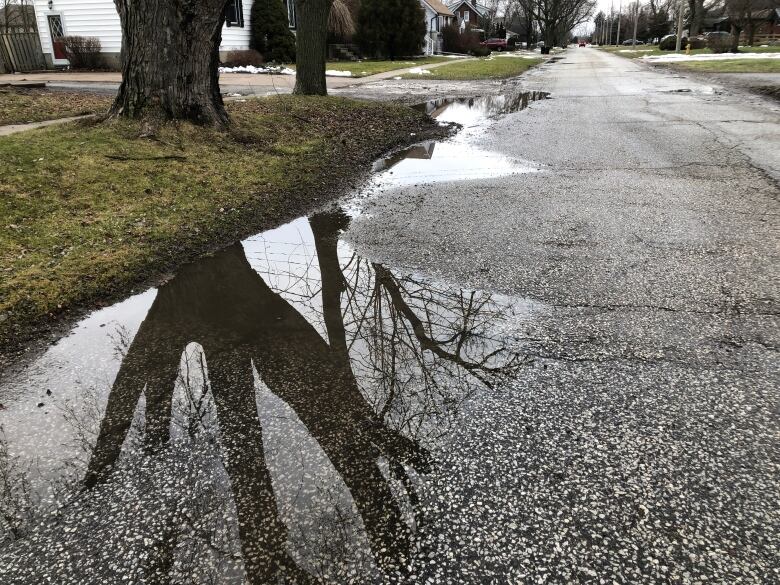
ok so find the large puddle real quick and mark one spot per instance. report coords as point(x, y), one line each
point(267, 415)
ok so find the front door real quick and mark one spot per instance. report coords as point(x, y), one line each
point(57, 34)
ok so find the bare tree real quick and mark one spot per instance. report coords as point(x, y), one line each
point(170, 60)
point(311, 46)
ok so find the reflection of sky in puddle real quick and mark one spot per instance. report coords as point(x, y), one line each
point(314, 481)
point(456, 159)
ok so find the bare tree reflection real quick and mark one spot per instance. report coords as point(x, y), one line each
point(401, 356)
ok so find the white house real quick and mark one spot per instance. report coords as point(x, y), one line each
point(437, 16)
point(98, 18)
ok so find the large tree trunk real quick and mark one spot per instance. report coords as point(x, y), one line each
point(735, 32)
point(311, 46)
point(697, 17)
point(170, 60)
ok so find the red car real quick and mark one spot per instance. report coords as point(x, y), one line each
point(495, 44)
point(582, 44)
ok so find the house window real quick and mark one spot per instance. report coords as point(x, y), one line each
point(234, 13)
point(290, 12)
point(466, 15)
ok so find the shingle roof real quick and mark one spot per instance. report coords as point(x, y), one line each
point(439, 7)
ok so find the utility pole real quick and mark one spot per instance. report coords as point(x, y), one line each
point(611, 21)
point(636, 22)
point(620, 11)
point(680, 11)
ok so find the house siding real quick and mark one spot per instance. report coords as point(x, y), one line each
point(99, 18)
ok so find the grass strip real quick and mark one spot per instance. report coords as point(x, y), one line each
point(23, 106)
point(484, 68)
point(89, 210)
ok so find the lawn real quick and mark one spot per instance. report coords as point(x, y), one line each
point(641, 50)
point(90, 210)
point(364, 68)
point(731, 66)
point(20, 106)
point(485, 68)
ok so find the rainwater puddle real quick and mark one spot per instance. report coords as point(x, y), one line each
point(270, 411)
point(269, 414)
point(457, 159)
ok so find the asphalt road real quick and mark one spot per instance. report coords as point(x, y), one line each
point(642, 445)
point(541, 351)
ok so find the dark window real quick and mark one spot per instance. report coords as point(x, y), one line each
point(234, 13)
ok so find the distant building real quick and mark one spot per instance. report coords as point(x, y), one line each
point(437, 16)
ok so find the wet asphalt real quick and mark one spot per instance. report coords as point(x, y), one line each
point(642, 444)
point(542, 351)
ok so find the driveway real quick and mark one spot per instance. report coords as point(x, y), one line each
point(541, 351)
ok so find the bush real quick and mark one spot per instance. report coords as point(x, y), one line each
point(480, 51)
point(669, 43)
point(243, 58)
point(696, 43)
point(270, 31)
point(719, 43)
point(454, 41)
point(391, 28)
point(83, 52)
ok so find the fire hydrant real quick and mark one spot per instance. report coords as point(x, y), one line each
point(688, 49)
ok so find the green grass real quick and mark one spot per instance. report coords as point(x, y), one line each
point(21, 106)
point(732, 66)
point(364, 68)
point(484, 68)
point(89, 210)
point(642, 50)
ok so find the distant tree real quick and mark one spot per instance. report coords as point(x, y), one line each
point(391, 28)
point(270, 31)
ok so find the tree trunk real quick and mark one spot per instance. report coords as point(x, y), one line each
point(311, 46)
point(697, 18)
point(735, 32)
point(170, 60)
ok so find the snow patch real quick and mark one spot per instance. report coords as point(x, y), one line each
point(419, 71)
point(270, 70)
point(336, 73)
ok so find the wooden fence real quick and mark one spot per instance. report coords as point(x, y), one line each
point(21, 52)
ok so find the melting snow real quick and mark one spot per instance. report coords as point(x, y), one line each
point(270, 70)
point(335, 73)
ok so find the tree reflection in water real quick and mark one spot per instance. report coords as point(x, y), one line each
point(376, 372)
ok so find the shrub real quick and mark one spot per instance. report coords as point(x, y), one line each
point(465, 42)
point(719, 43)
point(243, 58)
point(270, 31)
point(480, 51)
point(696, 43)
point(669, 43)
point(391, 28)
point(83, 52)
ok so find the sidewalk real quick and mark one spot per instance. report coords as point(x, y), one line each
point(229, 82)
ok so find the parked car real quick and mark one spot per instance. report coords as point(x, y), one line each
point(718, 34)
point(495, 44)
point(628, 42)
point(582, 44)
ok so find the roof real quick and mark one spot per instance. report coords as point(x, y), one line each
point(439, 7)
point(475, 6)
